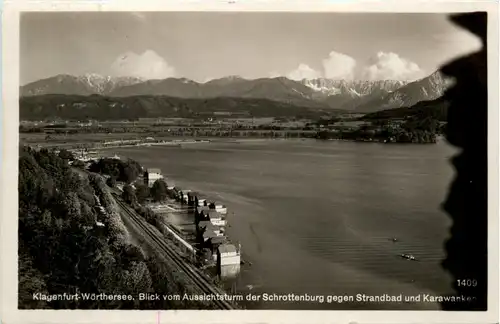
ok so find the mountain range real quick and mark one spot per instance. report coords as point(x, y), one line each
point(83, 85)
point(426, 89)
point(359, 96)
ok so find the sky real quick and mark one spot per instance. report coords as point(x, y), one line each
point(201, 45)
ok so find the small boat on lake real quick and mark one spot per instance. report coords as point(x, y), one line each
point(408, 257)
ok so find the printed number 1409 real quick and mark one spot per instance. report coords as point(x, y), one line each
point(467, 283)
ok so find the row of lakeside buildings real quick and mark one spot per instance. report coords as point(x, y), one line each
point(210, 219)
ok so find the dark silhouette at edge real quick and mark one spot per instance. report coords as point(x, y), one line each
point(467, 202)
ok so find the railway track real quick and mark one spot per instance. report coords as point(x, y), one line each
point(190, 272)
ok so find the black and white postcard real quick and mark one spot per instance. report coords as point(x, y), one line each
point(229, 156)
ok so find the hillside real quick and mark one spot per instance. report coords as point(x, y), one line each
point(278, 89)
point(437, 109)
point(119, 108)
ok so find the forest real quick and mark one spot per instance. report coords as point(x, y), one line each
point(125, 171)
point(63, 250)
point(418, 128)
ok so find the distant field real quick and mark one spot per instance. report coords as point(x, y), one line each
point(84, 138)
point(37, 138)
point(173, 122)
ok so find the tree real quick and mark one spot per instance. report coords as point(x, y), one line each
point(79, 164)
point(382, 123)
point(369, 133)
point(88, 218)
point(67, 155)
point(141, 192)
point(128, 194)
point(159, 190)
point(58, 252)
point(129, 174)
point(107, 166)
point(403, 137)
point(131, 170)
point(323, 135)
point(111, 182)
point(126, 171)
point(30, 281)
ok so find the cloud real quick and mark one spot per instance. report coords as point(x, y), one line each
point(339, 66)
point(335, 66)
point(148, 65)
point(303, 71)
point(390, 66)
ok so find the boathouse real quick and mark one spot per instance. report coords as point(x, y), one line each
point(213, 245)
point(207, 226)
point(201, 213)
point(208, 234)
point(220, 208)
point(203, 224)
point(228, 260)
point(151, 175)
point(228, 254)
point(200, 201)
point(216, 218)
point(206, 231)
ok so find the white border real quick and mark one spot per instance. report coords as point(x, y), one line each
point(9, 196)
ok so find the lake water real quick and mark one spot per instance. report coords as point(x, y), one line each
point(318, 217)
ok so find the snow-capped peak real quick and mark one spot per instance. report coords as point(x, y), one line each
point(96, 81)
point(355, 88)
point(105, 84)
point(322, 85)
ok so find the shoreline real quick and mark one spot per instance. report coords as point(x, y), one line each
point(180, 143)
point(98, 142)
